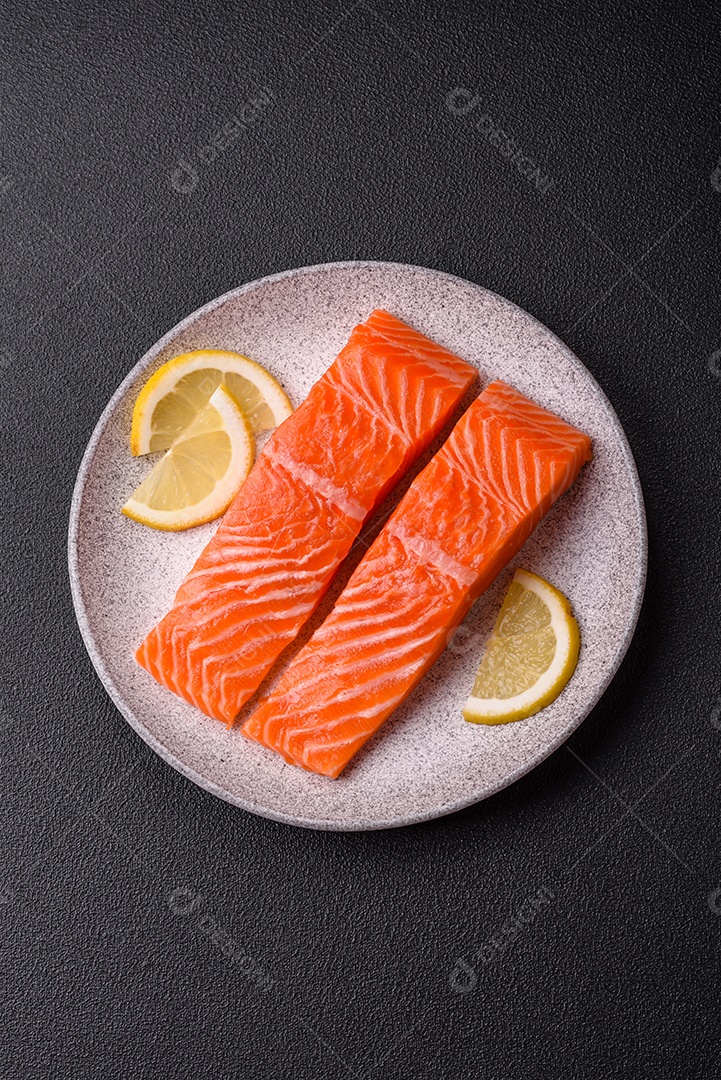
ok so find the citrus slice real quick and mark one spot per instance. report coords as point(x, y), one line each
point(530, 656)
point(179, 389)
point(201, 473)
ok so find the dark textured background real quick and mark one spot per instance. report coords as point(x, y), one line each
point(569, 926)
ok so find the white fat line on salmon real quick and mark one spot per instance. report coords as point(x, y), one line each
point(328, 674)
point(393, 624)
point(428, 551)
point(326, 744)
point(486, 480)
point(295, 697)
point(321, 484)
point(366, 399)
point(501, 482)
point(368, 405)
point(262, 576)
point(327, 727)
point(250, 624)
point(511, 448)
point(388, 679)
point(533, 419)
point(447, 370)
point(251, 556)
point(242, 668)
point(242, 601)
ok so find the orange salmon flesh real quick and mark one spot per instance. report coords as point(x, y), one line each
point(464, 517)
point(386, 396)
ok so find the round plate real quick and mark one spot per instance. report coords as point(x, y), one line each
point(425, 761)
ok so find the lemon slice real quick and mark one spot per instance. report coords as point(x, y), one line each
point(202, 472)
point(530, 656)
point(179, 389)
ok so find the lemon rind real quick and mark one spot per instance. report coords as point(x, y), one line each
point(157, 387)
point(550, 684)
point(218, 500)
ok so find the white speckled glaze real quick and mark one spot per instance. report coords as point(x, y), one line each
point(426, 761)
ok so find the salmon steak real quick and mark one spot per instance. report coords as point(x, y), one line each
point(324, 470)
point(463, 518)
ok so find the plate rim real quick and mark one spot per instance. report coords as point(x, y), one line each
point(207, 783)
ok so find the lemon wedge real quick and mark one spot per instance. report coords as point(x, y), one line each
point(178, 390)
point(201, 473)
point(530, 656)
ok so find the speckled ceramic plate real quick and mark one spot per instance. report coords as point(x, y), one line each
point(426, 761)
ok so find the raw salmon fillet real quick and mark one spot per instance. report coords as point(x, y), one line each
point(379, 405)
point(463, 518)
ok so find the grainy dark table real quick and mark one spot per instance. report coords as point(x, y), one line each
point(567, 156)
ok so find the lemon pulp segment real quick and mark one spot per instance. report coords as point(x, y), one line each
point(531, 654)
